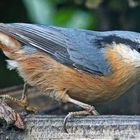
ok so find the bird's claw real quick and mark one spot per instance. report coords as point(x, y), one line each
point(23, 103)
point(31, 109)
point(93, 111)
point(90, 111)
point(69, 115)
point(72, 114)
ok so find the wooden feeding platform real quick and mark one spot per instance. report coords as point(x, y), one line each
point(91, 127)
point(43, 127)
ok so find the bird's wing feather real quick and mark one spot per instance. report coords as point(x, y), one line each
point(74, 48)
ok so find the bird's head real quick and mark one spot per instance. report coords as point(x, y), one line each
point(125, 43)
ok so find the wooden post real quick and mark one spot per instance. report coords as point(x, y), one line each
point(91, 127)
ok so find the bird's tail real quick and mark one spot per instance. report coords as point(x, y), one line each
point(9, 45)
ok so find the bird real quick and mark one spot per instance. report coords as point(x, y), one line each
point(72, 65)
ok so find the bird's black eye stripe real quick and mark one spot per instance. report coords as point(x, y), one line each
point(138, 48)
point(116, 39)
point(113, 38)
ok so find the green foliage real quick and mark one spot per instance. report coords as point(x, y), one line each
point(55, 13)
point(40, 11)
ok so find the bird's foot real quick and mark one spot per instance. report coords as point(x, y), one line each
point(21, 102)
point(89, 111)
point(92, 110)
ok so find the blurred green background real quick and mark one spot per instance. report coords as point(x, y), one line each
point(88, 14)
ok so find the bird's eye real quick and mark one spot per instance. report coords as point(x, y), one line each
point(138, 48)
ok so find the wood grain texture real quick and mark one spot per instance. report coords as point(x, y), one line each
point(91, 127)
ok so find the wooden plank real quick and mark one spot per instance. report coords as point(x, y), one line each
point(91, 127)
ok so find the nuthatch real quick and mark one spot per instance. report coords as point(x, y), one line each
point(72, 65)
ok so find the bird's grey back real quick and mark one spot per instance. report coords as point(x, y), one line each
point(76, 48)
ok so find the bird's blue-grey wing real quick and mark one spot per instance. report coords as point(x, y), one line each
point(73, 47)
